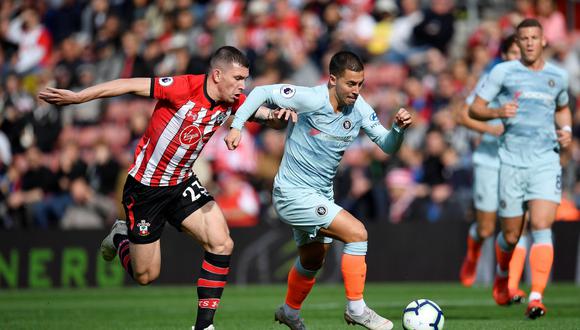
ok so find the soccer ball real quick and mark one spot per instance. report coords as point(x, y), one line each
point(423, 314)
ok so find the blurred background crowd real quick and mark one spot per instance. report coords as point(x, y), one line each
point(65, 167)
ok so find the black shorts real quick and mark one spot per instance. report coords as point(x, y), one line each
point(148, 208)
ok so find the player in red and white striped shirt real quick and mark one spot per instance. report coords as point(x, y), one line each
point(161, 186)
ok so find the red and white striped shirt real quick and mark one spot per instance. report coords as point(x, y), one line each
point(184, 119)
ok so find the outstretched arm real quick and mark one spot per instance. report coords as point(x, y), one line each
point(288, 97)
point(297, 98)
point(137, 86)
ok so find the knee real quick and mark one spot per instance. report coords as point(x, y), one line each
point(225, 247)
point(358, 234)
point(485, 231)
point(511, 237)
point(145, 278)
point(312, 263)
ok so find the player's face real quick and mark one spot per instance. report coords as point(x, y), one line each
point(513, 53)
point(232, 82)
point(348, 86)
point(531, 42)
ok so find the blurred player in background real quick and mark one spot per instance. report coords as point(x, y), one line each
point(329, 120)
point(161, 186)
point(486, 187)
point(537, 121)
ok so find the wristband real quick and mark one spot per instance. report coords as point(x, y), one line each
point(397, 128)
point(566, 128)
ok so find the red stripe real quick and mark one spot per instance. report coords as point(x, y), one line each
point(130, 214)
point(159, 120)
point(167, 155)
point(138, 150)
point(210, 284)
point(215, 269)
point(126, 261)
point(124, 246)
point(145, 159)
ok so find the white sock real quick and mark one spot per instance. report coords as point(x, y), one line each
point(534, 295)
point(291, 312)
point(356, 307)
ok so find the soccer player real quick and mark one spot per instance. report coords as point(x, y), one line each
point(486, 187)
point(161, 186)
point(537, 120)
point(329, 119)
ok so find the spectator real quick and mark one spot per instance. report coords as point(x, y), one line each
point(103, 172)
point(442, 205)
point(129, 62)
point(432, 168)
point(386, 10)
point(15, 112)
point(401, 194)
point(522, 9)
point(356, 28)
point(70, 167)
point(361, 198)
point(94, 16)
point(89, 210)
point(61, 28)
point(33, 39)
point(402, 31)
point(552, 20)
point(437, 27)
point(32, 182)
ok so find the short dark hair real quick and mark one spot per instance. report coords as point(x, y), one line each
point(227, 55)
point(345, 60)
point(507, 43)
point(529, 22)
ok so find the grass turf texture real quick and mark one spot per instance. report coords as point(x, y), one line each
point(252, 307)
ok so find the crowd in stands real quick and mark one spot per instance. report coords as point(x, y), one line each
point(64, 167)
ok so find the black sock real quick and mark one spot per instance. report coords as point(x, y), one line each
point(124, 253)
point(117, 239)
point(210, 285)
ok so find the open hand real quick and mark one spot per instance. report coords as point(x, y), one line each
point(58, 96)
point(286, 114)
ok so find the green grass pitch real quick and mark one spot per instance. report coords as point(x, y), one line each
point(252, 307)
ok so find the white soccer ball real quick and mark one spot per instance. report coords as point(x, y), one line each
point(423, 314)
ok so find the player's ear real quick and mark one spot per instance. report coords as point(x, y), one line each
point(332, 80)
point(216, 75)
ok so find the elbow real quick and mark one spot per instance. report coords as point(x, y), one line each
point(473, 114)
